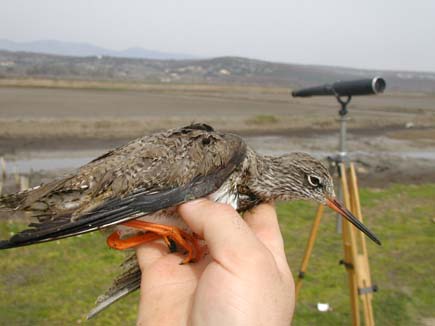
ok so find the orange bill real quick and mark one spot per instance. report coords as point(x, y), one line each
point(343, 211)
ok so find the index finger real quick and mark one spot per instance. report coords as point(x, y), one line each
point(229, 238)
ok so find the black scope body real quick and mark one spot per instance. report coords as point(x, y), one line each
point(345, 88)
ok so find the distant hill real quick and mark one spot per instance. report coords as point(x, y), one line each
point(224, 70)
point(86, 50)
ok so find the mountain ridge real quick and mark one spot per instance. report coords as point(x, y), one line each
point(221, 70)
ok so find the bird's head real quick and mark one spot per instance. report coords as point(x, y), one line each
point(301, 176)
point(297, 176)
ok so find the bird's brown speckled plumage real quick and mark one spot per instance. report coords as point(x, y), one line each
point(155, 173)
point(147, 167)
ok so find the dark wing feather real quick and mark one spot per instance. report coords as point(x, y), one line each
point(125, 283)
point(141, 201)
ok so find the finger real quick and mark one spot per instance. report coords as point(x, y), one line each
point(264, 223)
point(167, 289)
point(229, 239)
point(150, 252)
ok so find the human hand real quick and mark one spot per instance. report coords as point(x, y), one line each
point(244, 280)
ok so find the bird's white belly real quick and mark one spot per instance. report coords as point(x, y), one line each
point(170, 216)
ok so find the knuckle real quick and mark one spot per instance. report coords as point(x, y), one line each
point(224, 209)
point(261, 258)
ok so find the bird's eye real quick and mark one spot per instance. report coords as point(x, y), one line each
point(314, 181)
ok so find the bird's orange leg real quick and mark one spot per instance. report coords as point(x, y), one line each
point(114, 241)
point(155, 231)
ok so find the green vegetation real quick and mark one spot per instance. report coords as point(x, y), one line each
point(263, 119)
point(403, 217)
point(57, 283)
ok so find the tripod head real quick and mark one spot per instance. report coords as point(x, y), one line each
point(343, 111)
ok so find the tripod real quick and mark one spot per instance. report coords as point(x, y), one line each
point(355, 252)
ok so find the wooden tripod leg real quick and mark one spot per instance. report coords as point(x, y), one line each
point(349, 250)
point(309, 248)
point(363, 268)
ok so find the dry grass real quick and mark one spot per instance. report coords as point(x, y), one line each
point(129, 85)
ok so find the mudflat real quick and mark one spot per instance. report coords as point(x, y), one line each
point(392, 135)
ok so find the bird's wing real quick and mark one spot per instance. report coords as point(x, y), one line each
point(142, 177)
point(125, 283)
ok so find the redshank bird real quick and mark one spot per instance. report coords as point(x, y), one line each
point(135, 188)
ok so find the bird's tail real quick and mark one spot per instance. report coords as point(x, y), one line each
point(13, 201)
point(127, 282)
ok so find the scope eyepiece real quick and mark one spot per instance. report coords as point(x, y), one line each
point(378, 85)
point(345, 88)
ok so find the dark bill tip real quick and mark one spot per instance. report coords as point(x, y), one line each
point(343, 211)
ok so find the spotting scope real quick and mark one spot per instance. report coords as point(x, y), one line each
point(345, 88)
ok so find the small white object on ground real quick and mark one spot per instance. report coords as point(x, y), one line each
point(322, 307)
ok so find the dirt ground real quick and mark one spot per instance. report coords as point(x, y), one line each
point(391, 136)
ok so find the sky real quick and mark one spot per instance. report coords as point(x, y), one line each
point(374, 34)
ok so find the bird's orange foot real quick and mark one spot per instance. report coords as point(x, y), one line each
point(170, 235)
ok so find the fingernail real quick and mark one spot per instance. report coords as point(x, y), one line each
point(197, 201)
point(194, 202)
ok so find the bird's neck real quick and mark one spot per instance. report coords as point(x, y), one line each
point(261, 177)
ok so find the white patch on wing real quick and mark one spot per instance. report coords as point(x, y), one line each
point(71, 205)
point(226, 194)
